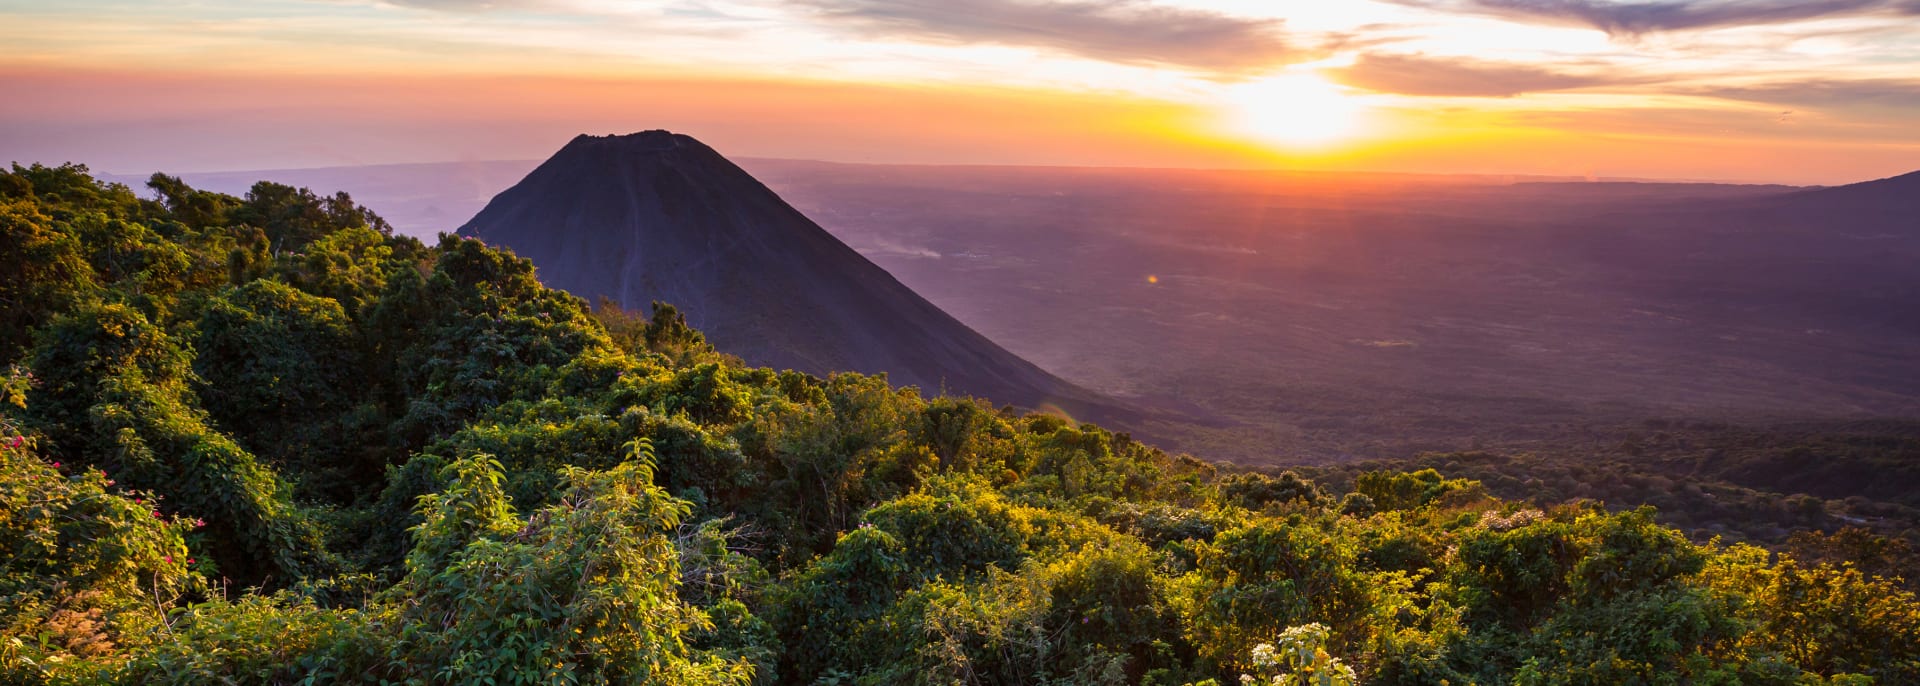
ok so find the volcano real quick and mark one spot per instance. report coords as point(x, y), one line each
point(660, 216)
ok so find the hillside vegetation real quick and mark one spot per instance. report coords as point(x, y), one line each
point(261, 440)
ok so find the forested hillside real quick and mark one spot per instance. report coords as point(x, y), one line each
point(262, 440)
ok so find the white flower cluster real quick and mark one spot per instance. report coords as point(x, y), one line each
point(1493, 520)
point(1304, 641)
point(1299, 659)
point(1263, 656)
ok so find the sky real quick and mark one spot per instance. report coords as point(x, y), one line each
point(1803, 92)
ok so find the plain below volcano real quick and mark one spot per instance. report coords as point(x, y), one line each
point(659, 216)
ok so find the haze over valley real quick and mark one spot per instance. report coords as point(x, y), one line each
point(1328, 316)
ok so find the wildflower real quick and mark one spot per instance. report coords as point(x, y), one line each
point(198, 522)
point(56, 465)
point(156, 513)
point(169, 559)
point(137, 501)
point(109, 482)
point(18, 441)
point(189, 560)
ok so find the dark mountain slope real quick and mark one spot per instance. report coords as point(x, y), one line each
point(1890, 204)
point(660, 216)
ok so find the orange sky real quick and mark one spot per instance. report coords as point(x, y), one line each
point(1701, 92)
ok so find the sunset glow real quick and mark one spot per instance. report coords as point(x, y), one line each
point(1294, 111)
point(1391, 85)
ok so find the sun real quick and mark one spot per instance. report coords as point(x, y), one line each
point(1293, 110)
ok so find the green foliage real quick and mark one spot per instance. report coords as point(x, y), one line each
point(1827, 619)
point(350, 266)
point(1255, 491)
point(1406, 491)
point(830, 614)
point(274, 367)
point(1255, 580)
point(585, 586)
point(294, 217)
point(86, 568)
point(1714, 480)
point(1111, 601)
point(276, 639)
point(667, 333)
point(115, 390)
point(414, 464)
point(472, 506)
point(42, 271)
point(956, 531)
point(1299, 658)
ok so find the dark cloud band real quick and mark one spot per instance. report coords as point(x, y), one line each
point(1441, 76)
point(462, 5)
point(1130, 31)
point(1635, 18)
point(1859, 94)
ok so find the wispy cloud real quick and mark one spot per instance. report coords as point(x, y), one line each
point(1747, 125)
point(1125, 31)
point(1453, 76)
point(1869, 94)
point(465, 5)
point(1636, 18)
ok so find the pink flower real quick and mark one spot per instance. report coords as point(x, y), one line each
point(189, 560)
point(137, 501)
point(109, 482)
point(56, 465)
point(198, 522)
point(156, 513)
point(19, 441)
point(169, 559)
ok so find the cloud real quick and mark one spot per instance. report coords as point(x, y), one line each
point(463, 5)
point(1892, 135)
point(1856, 94)
point(1126, 31)
point(1636, 18)
point(1446, 76)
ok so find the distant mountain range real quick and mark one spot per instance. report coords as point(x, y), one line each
point(657, 216)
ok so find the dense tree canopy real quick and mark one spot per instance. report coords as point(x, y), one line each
point(263, 440)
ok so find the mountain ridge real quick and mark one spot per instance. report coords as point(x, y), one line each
point(1889, 200)
point(660, 216)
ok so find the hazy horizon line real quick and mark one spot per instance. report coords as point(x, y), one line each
point(1514, 177)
